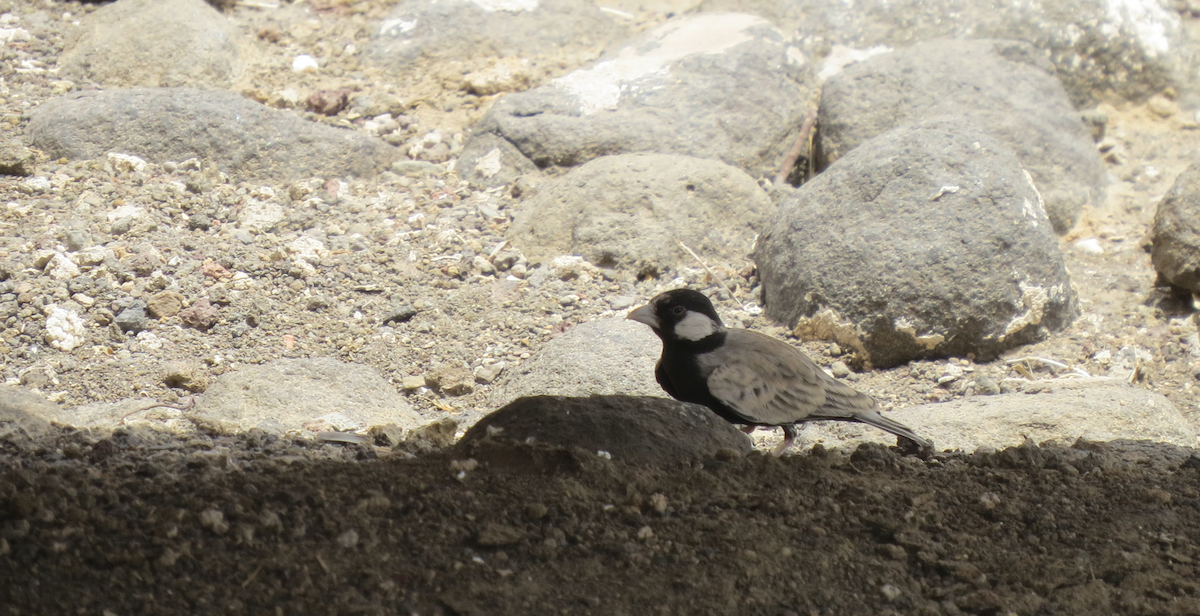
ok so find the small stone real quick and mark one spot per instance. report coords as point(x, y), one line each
point(303, 63)
point(125, 162)
point(891, 593)
point(121, 226)
point(487, 374)
point(839, 369)
point(535, 511)
point(165, 304)
point(348, 539)
point(409, 383)
point(1090, 246)
point(199, 222)
point(76, 240)
point(65, 330)
point(202, 315)
point(214, 520)
point(59, 267)
point(132, 319)
point(483, 265)
point(328, 102)
point(185, 375)
point(1162, 106)
point(452, 380)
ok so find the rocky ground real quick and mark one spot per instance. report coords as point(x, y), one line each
point(145, 520)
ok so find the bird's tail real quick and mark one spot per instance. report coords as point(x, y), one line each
point(872, 417)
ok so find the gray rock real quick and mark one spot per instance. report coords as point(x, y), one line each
point(1097, 409)
point(464, 30)
point(304, 395)
point(178, 43)
point(1098, 48)
point(133, 319)
point(1007, 88)
point(242, 137)
point(631, 429)
point(929, 240)
point(488, 160)
point(24, 415)
point(720, 86)
point(605, 357)
point(630, 212)
point(1176, 232)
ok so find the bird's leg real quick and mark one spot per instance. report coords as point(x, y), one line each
point(789, 435)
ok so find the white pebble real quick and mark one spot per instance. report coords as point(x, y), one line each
point(1091, 246)
point(64, 328)
point(126, 162)
point(61, 268)
point(304, 62)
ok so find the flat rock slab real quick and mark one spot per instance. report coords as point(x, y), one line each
point(1007, 88)
point(632, 429)
point(631, 211)
point(304, 395)
point(717, 86)
point(178, 43)
point(243, 138)
point(1064, 410)
point(1131, 49)
point(1176, 232)
point(463, 30)
point(927, 241)
point(597, 358)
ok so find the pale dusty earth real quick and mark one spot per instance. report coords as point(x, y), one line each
point(143, 521)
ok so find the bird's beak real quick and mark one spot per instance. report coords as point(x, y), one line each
point(645, 314)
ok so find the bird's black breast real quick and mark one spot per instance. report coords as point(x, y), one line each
point(680, 376)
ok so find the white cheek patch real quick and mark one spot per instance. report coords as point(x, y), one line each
point(695, 326)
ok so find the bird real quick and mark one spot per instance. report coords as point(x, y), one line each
point(747, 377)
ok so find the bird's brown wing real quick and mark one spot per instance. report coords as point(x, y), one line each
point(764, 380)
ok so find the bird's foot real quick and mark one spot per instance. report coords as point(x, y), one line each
point(789, 437)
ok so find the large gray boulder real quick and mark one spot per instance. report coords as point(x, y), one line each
point(929, 240)
point(631, 212)
point(177, 43)
point(630, 429)
point(1176, 232)
point(243, 138)
point(1007, 88)
point(1099, 48)
point(464, 30)
point(720, 86)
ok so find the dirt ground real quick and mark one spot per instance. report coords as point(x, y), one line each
point(145, 521)
point(251, 527)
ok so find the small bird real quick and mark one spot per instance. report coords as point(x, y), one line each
point(746, 377)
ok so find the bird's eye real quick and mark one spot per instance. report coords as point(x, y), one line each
point(678, 310)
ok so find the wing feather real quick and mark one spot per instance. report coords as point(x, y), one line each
point(764, 380)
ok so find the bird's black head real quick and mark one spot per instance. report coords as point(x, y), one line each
point(681, 315)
